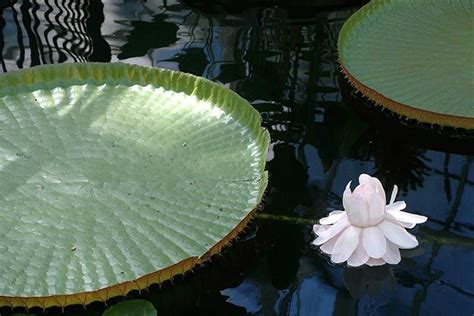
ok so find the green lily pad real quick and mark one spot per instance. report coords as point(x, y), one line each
point(114, 177)
point(132, 308)
point(414, 57)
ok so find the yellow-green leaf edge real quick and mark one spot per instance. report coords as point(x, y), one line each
point(404, 110)
point(120, 73)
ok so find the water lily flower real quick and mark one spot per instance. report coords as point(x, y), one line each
point(368, 231)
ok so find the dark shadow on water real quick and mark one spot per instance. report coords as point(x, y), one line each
point(400, 129)
point(147, 35)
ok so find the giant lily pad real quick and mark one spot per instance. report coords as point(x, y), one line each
point(414, 57)
point(114, 177)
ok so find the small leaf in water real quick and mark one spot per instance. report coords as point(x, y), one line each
point(132, 308)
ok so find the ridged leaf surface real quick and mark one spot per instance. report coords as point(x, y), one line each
point(111, 172)
point(415, 57)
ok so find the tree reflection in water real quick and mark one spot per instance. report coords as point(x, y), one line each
point(36, 32)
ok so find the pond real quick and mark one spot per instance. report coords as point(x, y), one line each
point(283, 60)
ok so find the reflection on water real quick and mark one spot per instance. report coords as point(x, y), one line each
point(51, 31)
point(285, 64)
point(370, 280)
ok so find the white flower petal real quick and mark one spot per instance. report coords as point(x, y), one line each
point(374, 183)
point(380, 191)
point(357, 211)
point(390, 217)
point(359, 256)
point(397, 206)
point(365, 178)
point(328, 246)
point(332, 231)
point(332, 218)
point(346, 195)
point(408, 217)
point(374, 242)
point(394, 194)
point(319, 229)
point(398, 235)
point(346, 244)
point(407, 225)
point(392, 255)
point(376, 209)
point(375, 262)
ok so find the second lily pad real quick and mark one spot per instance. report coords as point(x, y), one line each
point(414, 58)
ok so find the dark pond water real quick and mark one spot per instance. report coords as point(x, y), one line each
point(283, 60)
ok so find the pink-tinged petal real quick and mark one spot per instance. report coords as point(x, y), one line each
point(346, 195)
point(392, 255)
point(379, 190)
point(332, 231)
point(394, 194)
point(332, 218)
point(408, 217)
point(374, 242)
point(346, 244)
point(376, 209)
point(365, 178)
point(390, 217)
point(375, 262)
point(335, 212)
point(328, 246)
point(320, 229)
point(407, 225)
point(363, 190)
point(397, 206)
point(374, 183)
point(357, 211)
point(398, 235)
point(359, 256)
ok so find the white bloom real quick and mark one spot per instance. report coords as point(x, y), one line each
point(368, 231)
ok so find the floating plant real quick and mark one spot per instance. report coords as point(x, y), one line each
point(369, 231)
point(114, 177)
point(414, 58)
point(132, 308)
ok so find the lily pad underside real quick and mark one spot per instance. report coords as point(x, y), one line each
point(114, 177)
point(414, 58)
